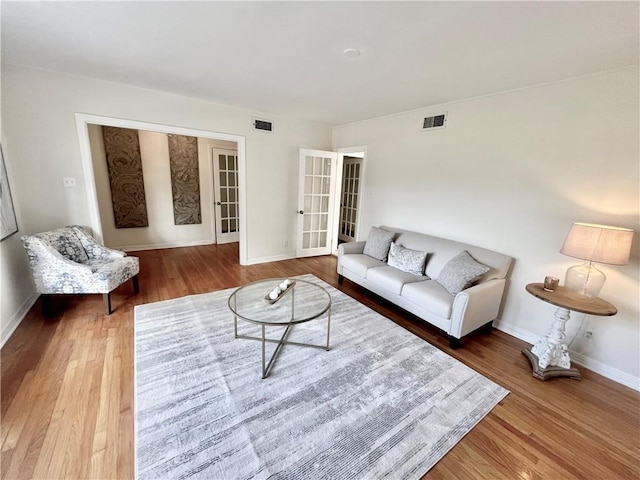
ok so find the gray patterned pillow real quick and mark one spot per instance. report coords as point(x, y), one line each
point(461, 272)
point(407, 260)
point(378, 243)
point(65, 241)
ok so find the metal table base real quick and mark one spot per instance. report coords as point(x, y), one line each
point(267, 366)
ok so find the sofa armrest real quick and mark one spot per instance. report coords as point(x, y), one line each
point(476, 306)
point(351, 248)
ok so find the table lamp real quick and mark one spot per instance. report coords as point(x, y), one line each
point(594, 243)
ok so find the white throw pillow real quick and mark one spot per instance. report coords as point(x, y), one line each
point(461, 272)
point(407, 260)
point(378, 243)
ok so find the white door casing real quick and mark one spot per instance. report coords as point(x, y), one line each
point(226, 195)
point(316, 202)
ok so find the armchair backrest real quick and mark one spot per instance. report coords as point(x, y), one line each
point(63, 240)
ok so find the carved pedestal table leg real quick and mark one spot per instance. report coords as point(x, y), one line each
point(549, 357)
point(551, 349)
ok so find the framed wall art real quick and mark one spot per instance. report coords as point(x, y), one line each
point(9, 222)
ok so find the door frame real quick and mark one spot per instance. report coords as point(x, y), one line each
point(342, 151)
point(83, 121)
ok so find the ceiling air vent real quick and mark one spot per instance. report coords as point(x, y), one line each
point(435, 122)
point(262, 125)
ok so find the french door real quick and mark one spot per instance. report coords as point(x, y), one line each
point(316, 201)
point(225, 183)
point(350, 198)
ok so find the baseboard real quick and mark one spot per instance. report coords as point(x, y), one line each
point(605, 370)
point(520, 333)
point(600, 368)
point(159, 246)
point(17, 318)
point(274, 258)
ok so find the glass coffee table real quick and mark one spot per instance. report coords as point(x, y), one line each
point(302, 302)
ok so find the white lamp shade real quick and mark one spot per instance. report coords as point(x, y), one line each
point(598, 243)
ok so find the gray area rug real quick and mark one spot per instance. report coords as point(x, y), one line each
point(381, 403)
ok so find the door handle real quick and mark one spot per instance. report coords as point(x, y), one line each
point(300, 212)
point(217, 203)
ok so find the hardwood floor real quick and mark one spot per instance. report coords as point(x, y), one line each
point(67, 386)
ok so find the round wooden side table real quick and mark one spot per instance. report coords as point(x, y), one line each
point(549, 357)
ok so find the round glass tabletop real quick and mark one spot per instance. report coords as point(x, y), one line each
point(303, 302)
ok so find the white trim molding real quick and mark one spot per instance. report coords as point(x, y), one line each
point(611, 373)
point(273, 258)
point(17, 318)
point(600, 368)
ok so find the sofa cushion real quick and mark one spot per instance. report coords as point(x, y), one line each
point(431, 296)
point(378, 243)
point(392, 279)
point(461, 272)
point(407, 260)
point(359, 263)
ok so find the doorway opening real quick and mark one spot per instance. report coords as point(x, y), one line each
point(351, 168)
point(350, 198)
point(94, 180)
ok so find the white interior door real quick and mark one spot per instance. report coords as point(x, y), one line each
point(350, 198)
point(316, 201)
point(225, 182)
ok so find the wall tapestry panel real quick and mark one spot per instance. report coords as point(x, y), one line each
point(185, 179)
point(124, 163)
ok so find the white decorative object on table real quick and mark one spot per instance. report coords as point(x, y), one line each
point(279, 291)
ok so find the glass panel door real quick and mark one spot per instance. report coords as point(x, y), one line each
point(316, 200)
point(227, 212)
point(349, 199)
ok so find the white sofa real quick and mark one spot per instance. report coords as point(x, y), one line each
point(458, 315)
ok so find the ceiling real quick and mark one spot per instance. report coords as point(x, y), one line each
point(286, 58)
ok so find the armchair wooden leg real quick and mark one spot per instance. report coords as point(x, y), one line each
point(136, 283)
point(46, 305)
point(340, 279)
point(454, 343)
point(107, 302)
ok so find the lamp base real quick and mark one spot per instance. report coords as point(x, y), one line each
point(585, 279)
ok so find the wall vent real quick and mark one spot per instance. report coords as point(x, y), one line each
point(435, 122)
point(262, 125)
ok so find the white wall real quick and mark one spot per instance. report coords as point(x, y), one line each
point(511, 172)
point(41, 145)
point(17, 293)
point(161, 232)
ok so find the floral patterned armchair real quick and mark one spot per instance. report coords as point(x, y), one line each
point(69, 260)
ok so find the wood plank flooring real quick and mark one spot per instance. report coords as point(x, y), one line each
point(67, 386)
